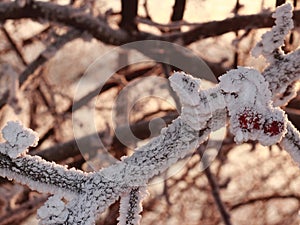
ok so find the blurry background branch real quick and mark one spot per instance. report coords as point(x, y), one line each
point(77, 18)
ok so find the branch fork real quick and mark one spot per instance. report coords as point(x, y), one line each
point(245, 94)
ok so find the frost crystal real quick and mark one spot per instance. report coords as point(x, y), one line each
point(131, 207)
point(197, 105)
point(18, 139)
point(248, 99)
point(284, 70)
point(274, 39)
point(53, 212)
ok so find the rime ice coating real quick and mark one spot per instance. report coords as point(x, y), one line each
point(283, 68)
point(18, 139)
point(274, 39)
point(53, 206)
point(88, 195)
point(131, 206)
point(248, 100)
point(291, 142)
point(282, 76)
point(198, 105)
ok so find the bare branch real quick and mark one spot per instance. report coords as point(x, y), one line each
point(216, 192)
point(264, 198)
point(76, 18)
point(129, 12)
point(48, 53)
point(14, 45)
point(178, 10)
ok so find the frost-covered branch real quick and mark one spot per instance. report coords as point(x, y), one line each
point(96, 191)
point(243, 93)
point(291, 142)
point(284, 70)
point(273, 40)
point(33, 171)
point(131, 206)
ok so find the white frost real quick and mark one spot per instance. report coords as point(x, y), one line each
point(244, 92)
point(291, 142)
point(131, 206)
point(283, 70)
point(18, 139)
point(198, 105)
point(53, 211)
point(273, 39)
point(248, 100)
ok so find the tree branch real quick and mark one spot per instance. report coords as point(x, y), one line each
point(263, 198)
point(100, 30)
point(178, 10)
point(215, 189)
point(67, 15)
point(202, 112)
point(48, 53)
point(14, 45)
point(129, 12)
point(56, 178)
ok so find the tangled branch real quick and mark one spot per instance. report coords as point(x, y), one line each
point(244, 93)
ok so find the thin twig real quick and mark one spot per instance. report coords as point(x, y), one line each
point(178, 10)
point(215, 190)
point(264, 198)
point(14, 45)
point(48, 53)
point(101, 30)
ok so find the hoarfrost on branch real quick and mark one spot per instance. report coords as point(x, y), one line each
point(249, 97)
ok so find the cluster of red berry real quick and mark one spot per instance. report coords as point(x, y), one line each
point(250, 119)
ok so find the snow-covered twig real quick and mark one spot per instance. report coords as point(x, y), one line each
point(131, 206)
point(284, 70)
point(270, 45)
point(81, 197)
point(33, 171)
point(291, 142)
point(94, 192)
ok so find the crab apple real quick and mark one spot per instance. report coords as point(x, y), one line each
point(273, 128)
point(249, 119)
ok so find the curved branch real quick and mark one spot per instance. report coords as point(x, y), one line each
point(48, 53)
point(264, 198)
point(41, 175)
point(100, 30)
point(66, 15)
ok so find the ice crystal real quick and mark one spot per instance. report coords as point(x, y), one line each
point(18, 139)
point(197, 105)
point(273, 39)
point(248, 100)
point(131, 207)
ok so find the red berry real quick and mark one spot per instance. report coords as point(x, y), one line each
point(249, 119)
point(273, 128)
